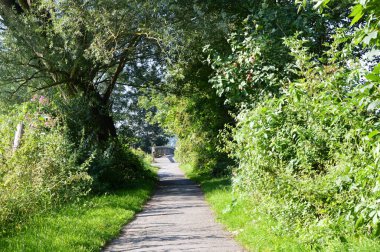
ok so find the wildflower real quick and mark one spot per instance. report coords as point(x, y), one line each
point(43, 100)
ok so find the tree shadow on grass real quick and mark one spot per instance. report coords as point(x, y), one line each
point(216, 184)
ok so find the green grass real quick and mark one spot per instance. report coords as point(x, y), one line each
point(254, 229)
point(82, 226)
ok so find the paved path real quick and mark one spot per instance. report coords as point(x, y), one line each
point(175, 219)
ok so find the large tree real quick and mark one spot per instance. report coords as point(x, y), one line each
point(76, 48)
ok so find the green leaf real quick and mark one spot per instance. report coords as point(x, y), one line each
point(321, 2)
point(316, 6)
point(357, 13)
point(373, 133)
point(373, 77)
point(299, 9)
point(357, 9)
point(376, 69)
point(359, 222)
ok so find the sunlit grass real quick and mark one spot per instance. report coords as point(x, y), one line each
point(83, 226)
point(254, 229)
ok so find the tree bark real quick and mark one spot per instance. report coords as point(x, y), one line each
point(103, 123)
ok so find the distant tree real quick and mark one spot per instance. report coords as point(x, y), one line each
point(133, 125)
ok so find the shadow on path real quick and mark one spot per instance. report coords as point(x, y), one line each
point(175, 219)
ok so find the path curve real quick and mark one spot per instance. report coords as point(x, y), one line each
point(177, 218)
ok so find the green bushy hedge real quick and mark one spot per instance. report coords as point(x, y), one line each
point(312, 154)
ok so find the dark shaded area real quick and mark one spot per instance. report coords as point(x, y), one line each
point(171, 159)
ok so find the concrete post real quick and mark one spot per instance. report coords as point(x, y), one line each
point(18, 136)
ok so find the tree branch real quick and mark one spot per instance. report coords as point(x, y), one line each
point(120, 67)
point(50, 85)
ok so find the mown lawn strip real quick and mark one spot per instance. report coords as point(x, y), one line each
point(82, 226)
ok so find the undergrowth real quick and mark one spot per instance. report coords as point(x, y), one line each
point(248, 219)
point(49, 170)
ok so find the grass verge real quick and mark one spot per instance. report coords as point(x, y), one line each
point(81, 226)
point(255, 229)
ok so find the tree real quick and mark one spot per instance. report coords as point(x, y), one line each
point(190, 108)
point(133, 124)
point(76, 48)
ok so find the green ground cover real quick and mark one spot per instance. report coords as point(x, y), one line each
point(82, 226)
point(255, 229)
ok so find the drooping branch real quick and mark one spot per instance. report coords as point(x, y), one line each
point(54, 84)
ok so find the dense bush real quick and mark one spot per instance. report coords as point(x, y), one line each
point(55, 163)
point(113, 165)
point(307, 134)
point(44, 172)
point(116, 167)
point(313, 152)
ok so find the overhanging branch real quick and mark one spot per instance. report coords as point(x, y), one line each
point(120, 67)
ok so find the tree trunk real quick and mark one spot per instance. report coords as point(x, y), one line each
point(103, 123)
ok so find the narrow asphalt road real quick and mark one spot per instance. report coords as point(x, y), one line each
point(177, 218)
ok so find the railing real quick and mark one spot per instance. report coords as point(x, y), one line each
point(160, 151)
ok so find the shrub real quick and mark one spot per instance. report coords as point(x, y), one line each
point(147, 158)
point(312, 154)
point(116, 167)
point(44, 172)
